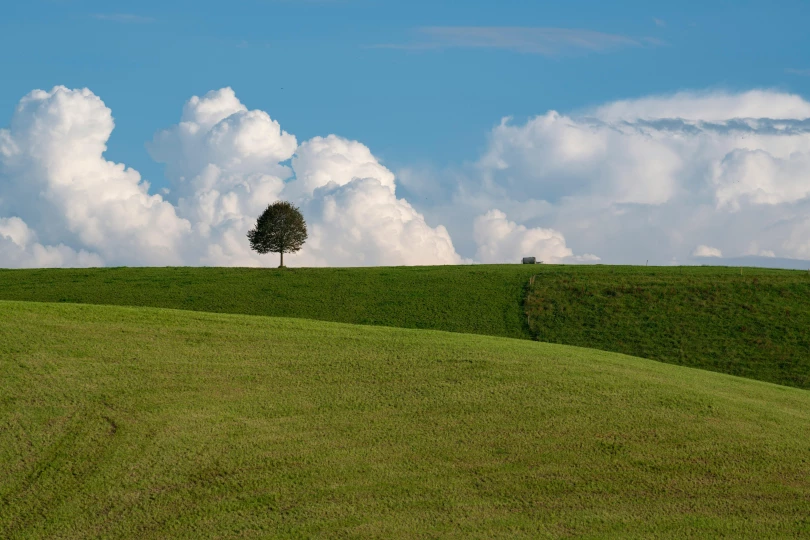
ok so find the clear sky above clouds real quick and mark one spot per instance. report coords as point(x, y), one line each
point(668, 131)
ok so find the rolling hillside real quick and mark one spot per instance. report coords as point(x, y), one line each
point(148, 423)
point(753, 324)
point(472, 299)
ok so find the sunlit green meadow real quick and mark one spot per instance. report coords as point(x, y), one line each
point(150, 423)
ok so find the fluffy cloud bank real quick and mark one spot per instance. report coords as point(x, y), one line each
point(501, 240)
point(225, 164)
point(706, 251)
point(666, 179)
point(19, 248)
point(654, 177)
point(55, 179)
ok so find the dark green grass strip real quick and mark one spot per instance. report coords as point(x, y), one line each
point(755, 324)
point(471, 299)
point(141, 423)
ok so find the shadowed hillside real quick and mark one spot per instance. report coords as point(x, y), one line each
point(754, 324)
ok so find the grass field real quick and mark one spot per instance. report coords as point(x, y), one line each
point(755, 324)
point(479, 299)
point(149, 423)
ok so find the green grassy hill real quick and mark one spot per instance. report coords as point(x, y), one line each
point(148, 423)
point(754, 324)
point(479, 299)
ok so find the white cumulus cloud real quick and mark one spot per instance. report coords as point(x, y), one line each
point(500, 240)
point(19, 249)
point(364, 223)
point(322, 160)
point(760, 177)
point(632, 180)
point(55, 176)
point(554, 155)
point(226, 164)
point(707, 107)
point(653, 177)
point(706, 251)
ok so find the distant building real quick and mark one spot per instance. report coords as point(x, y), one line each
point(529, 260)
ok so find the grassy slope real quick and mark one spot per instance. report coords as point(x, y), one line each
point(472, 299)
point(154, 423)
point(754, 325)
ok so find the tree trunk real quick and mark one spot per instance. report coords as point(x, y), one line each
point(282, 259)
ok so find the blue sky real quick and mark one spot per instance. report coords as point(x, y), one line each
point(410, 105)
point(683, 133)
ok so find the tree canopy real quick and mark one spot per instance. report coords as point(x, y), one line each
point(280, 229)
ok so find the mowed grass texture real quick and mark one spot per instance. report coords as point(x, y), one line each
point(480, 299)
point(753, 324)
point(148, 423)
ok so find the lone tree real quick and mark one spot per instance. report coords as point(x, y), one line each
point(280, 229)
